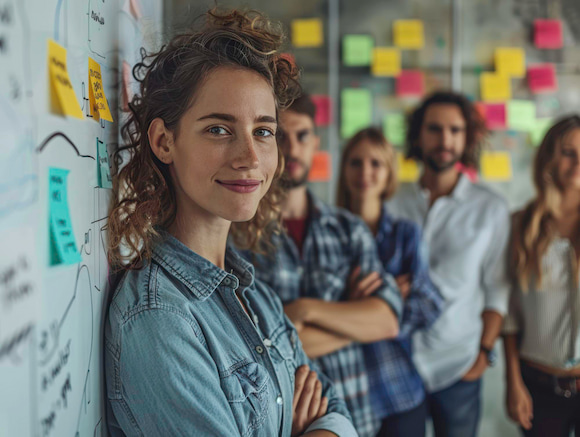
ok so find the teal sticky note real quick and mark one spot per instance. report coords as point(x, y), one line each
point(541, 127)
point(103, 168)
point(521, 115)
point(356, 111)
point(63, 245)
point(357, 50)
point(394, 129)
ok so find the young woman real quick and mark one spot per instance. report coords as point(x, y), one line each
point(542, 329)
point(194, 345)
point(368, 178)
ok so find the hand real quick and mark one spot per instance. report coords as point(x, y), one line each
point(477, 369)
point(359, 288)
point(308, 404)
point(520, 405)
point(404, 284)
point(297, 311)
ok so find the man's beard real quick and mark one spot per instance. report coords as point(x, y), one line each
point(440, 167)
point(288, 183)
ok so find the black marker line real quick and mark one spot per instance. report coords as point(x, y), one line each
point(67, 139)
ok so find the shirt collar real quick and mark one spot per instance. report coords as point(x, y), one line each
point(320, 210)
point(198, 274)
point(460, 192)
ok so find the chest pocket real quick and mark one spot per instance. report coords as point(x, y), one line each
point(283, 350)
point(247, 392)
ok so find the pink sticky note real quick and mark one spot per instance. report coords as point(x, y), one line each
point(289, 57)
point(548, 34)
point(323, 110)
point(127, 94)
point(410, 83)
point(542, 78)
point(470, 172)
point(495, 115)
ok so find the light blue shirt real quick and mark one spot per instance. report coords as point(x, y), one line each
point(467, 234)
point(182, 357)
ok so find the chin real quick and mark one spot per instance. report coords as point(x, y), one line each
point(241, 214)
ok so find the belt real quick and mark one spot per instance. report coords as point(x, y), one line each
point(567, 387)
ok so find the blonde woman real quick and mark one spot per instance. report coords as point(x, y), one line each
point(367, 179)
point(542, 329)
point(194, 345)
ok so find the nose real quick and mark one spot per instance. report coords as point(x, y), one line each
point(447, 138)
point(367, 170)
point(245, 153)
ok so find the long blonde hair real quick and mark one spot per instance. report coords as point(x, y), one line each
point(534, 227)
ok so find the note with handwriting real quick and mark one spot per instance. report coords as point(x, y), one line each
point(320, 171)
point(542, 78)
point(408, 34)
point(323, 105)
point(410, 83)
point(357, 50)
point(356, 111)
point(495, 115)
point(386, 62)
point(97, 99)
point(408, 169)
point(510, 61)
point(521, 115)
point(548, 34)
point(495, 87)
point(496, 166)
point(307, 32)
point(104, 169)
point(395, 129)
point(63, 97)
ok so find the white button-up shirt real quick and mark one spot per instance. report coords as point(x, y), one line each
point(467, 233)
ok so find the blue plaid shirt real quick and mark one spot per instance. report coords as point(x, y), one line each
point(336, 242)
point(396, 386)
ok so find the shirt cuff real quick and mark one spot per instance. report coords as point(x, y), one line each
point(497, 301)
point(336, 423)
point(389, 292)
point(510, 325)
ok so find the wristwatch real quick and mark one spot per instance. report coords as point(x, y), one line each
point(490, 354)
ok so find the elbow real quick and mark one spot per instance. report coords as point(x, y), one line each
point(386, 330)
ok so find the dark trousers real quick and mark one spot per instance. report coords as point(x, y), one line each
point(456, 410)
point(407, 424)
point(555, 415)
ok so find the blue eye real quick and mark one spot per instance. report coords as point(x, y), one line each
point(217, 130)
point(264, 133)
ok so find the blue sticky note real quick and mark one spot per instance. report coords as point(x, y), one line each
point(103, 168)
point(63, 245)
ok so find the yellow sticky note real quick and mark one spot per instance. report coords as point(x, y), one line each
point(510, 61)
point(495, 87)
point(97, 98)
point(307, 33)
point(63, 98)
point(386, 61)
point(408, 170)
point(408, 34)
point(496, 166)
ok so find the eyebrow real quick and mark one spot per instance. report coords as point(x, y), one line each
point(231, 118)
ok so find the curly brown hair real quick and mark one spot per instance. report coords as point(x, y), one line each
point(144, 198)
point(475, 129)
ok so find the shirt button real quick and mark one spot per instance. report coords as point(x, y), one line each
point(299, 271)
point(267, 342)
point(255, 319)
point(227, 281)
point(279, 400)
point(259, 349)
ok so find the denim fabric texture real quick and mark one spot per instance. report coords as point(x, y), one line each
point(182, 357)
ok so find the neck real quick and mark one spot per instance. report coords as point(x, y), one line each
point(570, 204)
point(439, 184)
point(296, 204)
point(369, 210)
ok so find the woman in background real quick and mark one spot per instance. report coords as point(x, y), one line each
point(542, 329)
point(194, 345)
point(367, 179)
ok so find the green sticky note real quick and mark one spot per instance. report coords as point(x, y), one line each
point(103, 168)
point(63, 245)
point(521, 115)
point(541, 127)
point(356, 111)
point(394, 129)
point(357, 50)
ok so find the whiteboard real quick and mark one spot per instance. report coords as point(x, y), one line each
point(51, 316)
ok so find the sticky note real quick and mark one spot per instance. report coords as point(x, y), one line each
point(97, 98)
point(394, 128)
point(542, 78)
point(63, 245)
point(495, 87)
point(320, 169)
point(408, 34)
point(495, 115)
point(521, 115)
point(548, 34)
point(104, 169)
point(307, 32)
point(357, 50)
point(323, 105)
point(63, 98)
point(410, 83)
point(407, 169)
point(127, 93)
point(539, 130)
point(386, 62)
point(510, 61)
point(496, 166)
point(356, 111)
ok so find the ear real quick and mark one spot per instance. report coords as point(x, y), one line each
point(161, 141)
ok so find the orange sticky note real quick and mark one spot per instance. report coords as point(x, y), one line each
point(408, 34)
point(320, 169)
point(495, 87)
point(510, 61)
point(307, 33)
point(386, 61)
point(496, 166)
point(63, 97)
point(97, 98)
point(408, 170)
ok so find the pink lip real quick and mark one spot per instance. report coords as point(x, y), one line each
point(241, 185)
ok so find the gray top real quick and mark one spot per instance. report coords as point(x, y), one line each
point(548, 317)
point(467, 234)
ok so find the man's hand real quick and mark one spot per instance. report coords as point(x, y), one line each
point(404, 284)
point(308, 404)
point(477, 369)
point(359, 288)
point(519, 404)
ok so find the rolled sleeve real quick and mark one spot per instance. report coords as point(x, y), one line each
point(511, 322)
point(335, 423)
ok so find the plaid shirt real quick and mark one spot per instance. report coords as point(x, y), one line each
point(396, 386)
point(335, 243)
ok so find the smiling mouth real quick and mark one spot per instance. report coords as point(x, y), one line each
point(241, 186)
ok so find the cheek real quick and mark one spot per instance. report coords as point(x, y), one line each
point(269, 161)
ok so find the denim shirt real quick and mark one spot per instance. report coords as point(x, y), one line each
point(182, 357)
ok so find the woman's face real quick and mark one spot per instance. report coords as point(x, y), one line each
point(366, 171)
point(568, 166)
point(225, 154)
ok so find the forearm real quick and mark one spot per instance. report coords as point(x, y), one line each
point(512, 359)
point(366, 320)
point(492, 324)
point(318, 342)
